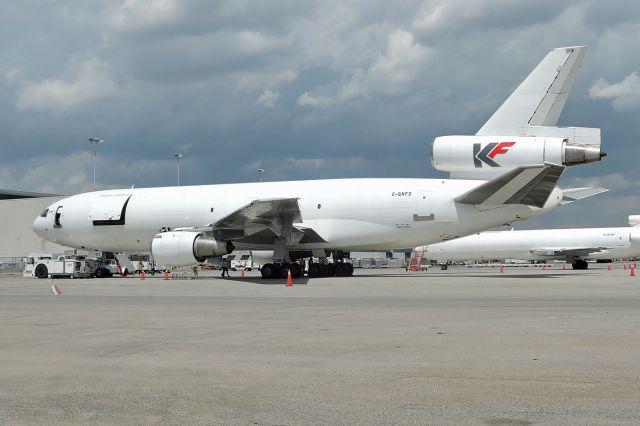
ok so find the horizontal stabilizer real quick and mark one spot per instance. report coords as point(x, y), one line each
point(573, 194)
point(634, 220)
point(540, 98)
point(528, 185)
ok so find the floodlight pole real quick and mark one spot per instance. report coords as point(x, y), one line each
point(95, 142)
point(260, 172)
point(178, 156)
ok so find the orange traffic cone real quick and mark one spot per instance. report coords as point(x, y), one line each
point(289, 280)
point(632, 272)
point(609, 267)
point(142, 276)
point(242, 273)
point(166, 275)
point(501, 268)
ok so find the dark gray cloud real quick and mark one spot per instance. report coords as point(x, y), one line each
point(303, 89)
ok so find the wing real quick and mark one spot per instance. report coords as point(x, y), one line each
point(540, 98)
point(568, 252)
point(264, 220)
point(528, 185)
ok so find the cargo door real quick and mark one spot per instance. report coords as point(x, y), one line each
point(109, 209)
point(424, 207)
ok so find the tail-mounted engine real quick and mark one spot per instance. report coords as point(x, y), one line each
point(495, 155)
point(186, 248)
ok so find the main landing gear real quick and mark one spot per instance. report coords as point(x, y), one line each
point(274, 270)
point(316, 270)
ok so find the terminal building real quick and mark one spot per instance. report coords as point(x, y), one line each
point(17, 212)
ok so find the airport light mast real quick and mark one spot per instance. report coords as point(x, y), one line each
point(178, 156)
point(95, 142)
point(260, 172)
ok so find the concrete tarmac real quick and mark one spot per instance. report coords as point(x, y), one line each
point(463, 346)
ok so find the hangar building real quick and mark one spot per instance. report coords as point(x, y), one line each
point(17, 212)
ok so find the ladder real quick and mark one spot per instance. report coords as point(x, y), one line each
point(416, 260)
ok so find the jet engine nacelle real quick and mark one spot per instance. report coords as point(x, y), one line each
point(468, 154)
point(186, 248)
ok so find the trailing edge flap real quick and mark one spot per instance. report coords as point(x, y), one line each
point(274, 213)
point(267, 219)
point(540, 98)
point(570, 195)
point(566, 251)
point(528, 185)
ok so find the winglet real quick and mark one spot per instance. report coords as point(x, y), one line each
point(540, 98)
point(528, 185)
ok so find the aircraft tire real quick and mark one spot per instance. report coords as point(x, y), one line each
point(284, 271)
point(314, 271)
point(41, 271)
point(269, 271)
point(324, 270)
point(331, 270)
point(349, 269)
point(580, 264)
point(296, 270)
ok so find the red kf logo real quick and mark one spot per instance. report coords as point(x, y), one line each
point(501, 148)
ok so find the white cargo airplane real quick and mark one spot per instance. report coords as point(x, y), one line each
point(574, 245)
point(511, 168)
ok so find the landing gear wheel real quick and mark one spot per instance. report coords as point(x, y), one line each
point(349, 269)
point(41, 271)
point(314, 270)
point(284, 271)
point(580, 264)
point(269, 271)
point(296, 270)
point(341, 269)
point(331, 270)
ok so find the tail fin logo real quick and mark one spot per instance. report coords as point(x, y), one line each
point(488, 153)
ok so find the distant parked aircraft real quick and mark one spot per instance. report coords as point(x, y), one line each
point(573, 245)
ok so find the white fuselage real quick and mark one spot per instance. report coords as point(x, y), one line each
point(346, 213)
point(608, 243)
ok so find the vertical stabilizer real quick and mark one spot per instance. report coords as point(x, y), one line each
point(540, 98)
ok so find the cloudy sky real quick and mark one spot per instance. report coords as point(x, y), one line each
point(302, 89)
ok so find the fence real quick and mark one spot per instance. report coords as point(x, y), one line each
point(11, 264)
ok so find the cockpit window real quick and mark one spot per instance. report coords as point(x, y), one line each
point(44, 213)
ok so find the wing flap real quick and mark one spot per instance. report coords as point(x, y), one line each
point(528, 185)
point(264, 220)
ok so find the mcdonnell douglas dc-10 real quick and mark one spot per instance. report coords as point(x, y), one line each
point(508, 171)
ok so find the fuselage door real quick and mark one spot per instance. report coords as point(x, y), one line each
point(424, 207)
point(109, 209)
point(57, 218)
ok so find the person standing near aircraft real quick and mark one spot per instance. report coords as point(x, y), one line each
point(225, 267)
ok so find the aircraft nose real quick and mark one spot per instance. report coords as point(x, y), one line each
point(38, 227)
